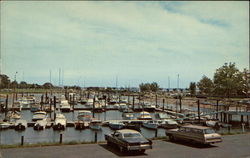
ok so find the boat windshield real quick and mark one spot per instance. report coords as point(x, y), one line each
point(132, 135)
point(209, 131)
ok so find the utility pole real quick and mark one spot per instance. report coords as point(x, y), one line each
point(168, 82)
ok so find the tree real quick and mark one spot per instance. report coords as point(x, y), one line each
point(145, 87)
point(192, 88)
point(228, 80)
point(205, 85)
point(47, 85)
point(23, 85)
point(4, 81)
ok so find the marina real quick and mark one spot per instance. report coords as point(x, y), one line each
point(89, 124)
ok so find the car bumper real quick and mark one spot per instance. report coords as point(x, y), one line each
point(140, 147)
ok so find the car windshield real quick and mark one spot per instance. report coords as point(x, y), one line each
point(130, 135)
point(209, 131)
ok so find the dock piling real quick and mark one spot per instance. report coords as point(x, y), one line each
point(156, 133)
point(22, 140)
point(95, 137)
point(61, 137)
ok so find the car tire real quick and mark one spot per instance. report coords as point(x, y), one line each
point(142, 151)
point(171, 138)
point(121, 149)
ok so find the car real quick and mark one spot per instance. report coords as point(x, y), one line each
point(128, 140)
point(195, 134)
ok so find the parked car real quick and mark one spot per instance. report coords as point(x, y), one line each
point(194, 133)
point(128, 140)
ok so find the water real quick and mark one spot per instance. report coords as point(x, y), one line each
point(31, 136)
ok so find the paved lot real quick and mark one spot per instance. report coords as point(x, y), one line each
point(235, 146)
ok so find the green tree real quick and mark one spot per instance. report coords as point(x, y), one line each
point(228, 80)
point(4, 81)
point(145, 87)
point(47, 85)
point(192, 88)
point(205, 85)
point(23, 84)
point(154, 87)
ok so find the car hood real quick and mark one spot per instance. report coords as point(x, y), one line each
point(136, 140)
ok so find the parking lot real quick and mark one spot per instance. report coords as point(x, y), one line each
point(233, 146)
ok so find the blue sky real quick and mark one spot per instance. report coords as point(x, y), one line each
point(95, 42)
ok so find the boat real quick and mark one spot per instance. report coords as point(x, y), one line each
point(123, 107)
point(64, 106)
point(95, 125)
point(116, 125)
point(128, 116)
point(21, 125)
point(39, 115)
point(169, 124)
point(144, 116)
point(13, 115)
point(90, 102)
point(150, 124)
point(84, 118)
point(83, 101)
point(162, 116)
point(149, 107)
point(4, 125)
point(34, 107)
point(26, 102)
point(60, 122)
point(40, 125)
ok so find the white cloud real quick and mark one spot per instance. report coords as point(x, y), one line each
point(137, 39)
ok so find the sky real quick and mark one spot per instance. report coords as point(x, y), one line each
point(99, 43)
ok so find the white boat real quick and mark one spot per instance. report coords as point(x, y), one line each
point(26, 102)
point(40, 125)
point(150, 124)
point(128, 116)
point(149, 107)
point(163, 116)
point(84, 115)
point(64, 106)
point(13, 115)
point(5, 125)
point(60, 122)
point(21, 125)
point(84, 118)
point(90, 102)
point(116, 125)
point(95, 124)
point(39, 115)
point(144, 116)
point(169, 124)
point(122, 107)
point(34, 107)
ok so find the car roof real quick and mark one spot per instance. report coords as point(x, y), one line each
point(127, 131)
point(196, 126)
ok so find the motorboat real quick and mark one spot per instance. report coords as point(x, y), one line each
point(169, 124)
point(5, 125)
point(150, 124)
point(84, 118)
point(39, 115)
point(26, 102)
point(116, 125)
point(84, 115)
point(95, 124)
point(40, 125)
point(122, 107)
point(144, 116)
point(64, 106)
point(21, 124)
point(128, 116)
point(149, 107)
point(90, 102)
point(13, 115)
point(60, 122)
point(162, 116)
point(34, 107)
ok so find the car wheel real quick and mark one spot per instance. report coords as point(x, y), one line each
point(142, 151)
point(171, 138)
point(121, 149)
